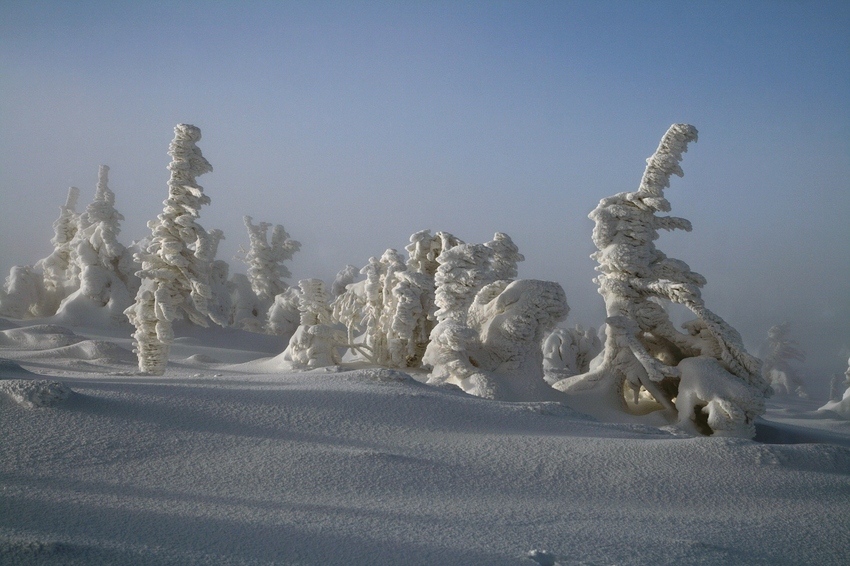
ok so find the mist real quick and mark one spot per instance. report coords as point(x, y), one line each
point(357, 124)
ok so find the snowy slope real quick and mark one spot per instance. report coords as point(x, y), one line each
point(217, 462)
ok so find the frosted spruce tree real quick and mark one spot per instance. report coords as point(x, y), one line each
point(99, 264)
point(704, 378)
point(37, 291)
point(265, 259)
point(176, 263)
point(779, 356)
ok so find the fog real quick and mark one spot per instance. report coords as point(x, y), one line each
point(356, 124)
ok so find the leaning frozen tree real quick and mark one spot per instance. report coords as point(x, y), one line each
point(779, 354)
point(176, 263)
point(704, 377)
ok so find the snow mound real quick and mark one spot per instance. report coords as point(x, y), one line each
point(39, 337)
point(86, 350)
point(35, 393)
point(840, 408)
point(202, 359)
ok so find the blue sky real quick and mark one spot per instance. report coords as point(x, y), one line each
point(355, 124)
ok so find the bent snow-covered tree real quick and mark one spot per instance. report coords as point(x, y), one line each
point(176, 264)
point(704, 378)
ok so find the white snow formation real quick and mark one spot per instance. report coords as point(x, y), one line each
point(176, 263)
point(495, 351)
point(841, 406)
point(643, 350)
point(778, 357)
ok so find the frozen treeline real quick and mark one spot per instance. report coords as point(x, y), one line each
point(455, 311)
point(90, 278)
point(88, 269)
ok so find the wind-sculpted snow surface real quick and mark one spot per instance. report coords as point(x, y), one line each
point(643, 350)
point(369, 467)
point(176, 264)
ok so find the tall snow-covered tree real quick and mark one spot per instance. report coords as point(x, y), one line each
point(704, 376)
point(176, 263)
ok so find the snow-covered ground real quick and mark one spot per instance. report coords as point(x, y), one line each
point(226, 460)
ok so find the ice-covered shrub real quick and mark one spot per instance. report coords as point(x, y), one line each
point(318, 340)
point(505, 257)
point(343, 279)
point(643, 351)
point(779, 354)
point(176, 264)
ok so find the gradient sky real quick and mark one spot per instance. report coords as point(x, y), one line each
point(355, 124)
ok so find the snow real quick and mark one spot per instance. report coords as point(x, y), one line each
point(225, 459)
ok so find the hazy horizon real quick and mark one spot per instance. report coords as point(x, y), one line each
point(356, 124)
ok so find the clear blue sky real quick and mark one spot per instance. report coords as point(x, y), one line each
point(355, 124)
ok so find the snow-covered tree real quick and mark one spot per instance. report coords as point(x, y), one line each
point(464, 269)
point(779, 354)
point(505, 257)
point(318, 340)
point(265, 259)
point(176, 263)
point(57, 267)
point(98, 260)
point(343, 279)
point(284, 316)
point(313, 303)
point(723, 391)
point(23, 294)
point(495, 351)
